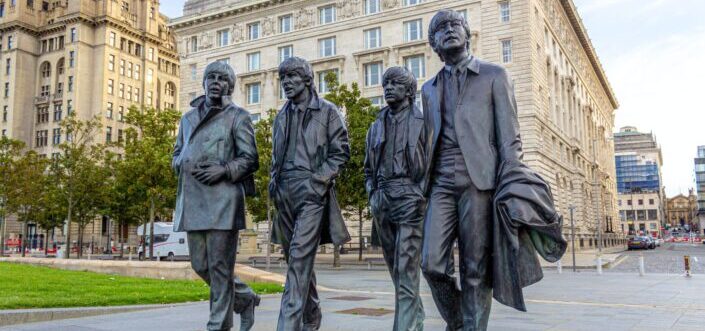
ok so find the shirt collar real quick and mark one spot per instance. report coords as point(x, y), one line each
point(468, 63)
point(398, 117)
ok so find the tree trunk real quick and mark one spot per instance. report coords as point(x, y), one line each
point(360, 243)
point(46, 242)
point(122, 239)
point(23, 246)
point(67, 245)
point(336, 256)
point(144, 239)
point(2, 234)
point(151, 228)
point(80, 242)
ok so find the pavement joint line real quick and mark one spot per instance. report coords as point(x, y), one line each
point(619, 261)
point(613, 305)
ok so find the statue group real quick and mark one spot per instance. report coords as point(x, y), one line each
point(450, 174)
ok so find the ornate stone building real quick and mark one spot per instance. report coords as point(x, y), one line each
point(91, 57)
point(566, 105)
point(682, 210)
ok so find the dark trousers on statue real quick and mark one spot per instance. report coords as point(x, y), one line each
point(457, 210)
point(399, 223)
point(213, 259)
point(300, 214)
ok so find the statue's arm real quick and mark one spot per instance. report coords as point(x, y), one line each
point(369, 179)
point(178, 147)
point(338, 153)
point(508, 140)
point(246, 160)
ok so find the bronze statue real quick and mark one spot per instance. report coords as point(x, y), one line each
point(215, 156)
point(396, 169)
point(310, 145)
point(470, 108)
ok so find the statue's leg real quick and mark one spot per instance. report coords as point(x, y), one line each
point(197, 250)
point(437, 262)
point(222, 246)
point(305, 237)
point(475, 212)
point(387, 233)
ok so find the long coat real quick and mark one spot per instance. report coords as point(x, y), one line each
point(227, 137)
point(327, 146)
point(416, 154)
point(485, 119)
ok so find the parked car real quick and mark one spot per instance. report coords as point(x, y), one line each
point(659, 242)
point(638, 242)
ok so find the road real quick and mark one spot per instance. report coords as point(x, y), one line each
point(667, 259)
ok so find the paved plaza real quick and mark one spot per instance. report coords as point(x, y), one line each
point(568, 301)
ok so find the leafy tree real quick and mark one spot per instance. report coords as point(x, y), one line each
point(27, 196)
point(148, 154)
point(10, 151)
point(359, 115)
point(76, 173)
point(260, 206)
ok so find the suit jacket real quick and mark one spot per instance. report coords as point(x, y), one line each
point(485, 119)
point(326, 143)
point(227, 137)
point(417, 149)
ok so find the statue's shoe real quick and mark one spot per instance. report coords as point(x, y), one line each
point(247, 316)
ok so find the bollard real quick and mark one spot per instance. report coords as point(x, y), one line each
point(599, 265)
point(641, 265)
point(129, 256)
point(686, 261)
point(559, 266)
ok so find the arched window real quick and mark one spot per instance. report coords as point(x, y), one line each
point(170, 89)
point(46, 69)
point(60, 67)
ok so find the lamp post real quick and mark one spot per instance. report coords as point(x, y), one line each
point(572, 234)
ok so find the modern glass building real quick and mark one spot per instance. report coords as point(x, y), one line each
point(700, 178)
point(636, 173)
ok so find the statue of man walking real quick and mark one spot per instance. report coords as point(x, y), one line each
point(215, 156)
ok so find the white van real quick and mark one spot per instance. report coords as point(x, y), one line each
point(167, 243)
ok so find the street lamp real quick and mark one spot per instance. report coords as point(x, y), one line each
point(572, 234)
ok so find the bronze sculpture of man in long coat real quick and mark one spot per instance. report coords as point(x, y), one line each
point(310, 147)
point(215, 156)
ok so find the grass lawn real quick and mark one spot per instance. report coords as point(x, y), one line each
point(27, 286)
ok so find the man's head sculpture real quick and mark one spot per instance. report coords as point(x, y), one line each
point(402, 76)
point(223, 70)
point(445, 32)
point(295, 75)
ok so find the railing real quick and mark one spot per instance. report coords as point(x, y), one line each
point(41, 99)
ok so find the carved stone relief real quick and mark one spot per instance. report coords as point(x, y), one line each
point(238, 34)
point(268, 26)
point(388, 4)
point(304, 18)
point(206, 40)
point(349, 8)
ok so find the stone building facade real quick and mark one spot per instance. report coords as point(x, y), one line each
point(91, 57)
point(565, 103)
point(682, 210)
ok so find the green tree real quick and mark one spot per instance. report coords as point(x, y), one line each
point(28, 196)
point(359, 115)
point(10, 151)
point(52, 214)
point(77, 174)
point(259, 206)
point(148, 154)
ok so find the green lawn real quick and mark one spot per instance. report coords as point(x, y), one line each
point(27, 286)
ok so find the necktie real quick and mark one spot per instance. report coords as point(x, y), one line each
point(293, 134)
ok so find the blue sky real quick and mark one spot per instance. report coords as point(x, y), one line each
point(654, 54)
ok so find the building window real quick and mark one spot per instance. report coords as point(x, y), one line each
point(505, 11)
point(253, 31)
point(8, 66)
point(464, 14)
point(651, 201)
point(7, 90)
point(413, 30)
point(45, 91)
point(150, 75)
point(111, 62)
point(42, 115)
point(108, 134)
point(373, 74)
point(507, 51)
point(629, 202)
point(129, 69)
point(412, 2)
point(41, 138)
point(119, 136)
point(376, 101)
point(4, 113)
point(285, 53)
point(223, 38)
point(322, 84)
point(4, 133)
point(253, 93)
point(9, 42)
point(137, 71)
point(56, 137)
point(253, 63)
point(121, 71)
point(109, 111)
point(69, 107)
point(73, 35)
point(285, 23)
point(57, 112)
point(121, 91)
point(194, 44)
point(641, 202)
point(121, 114)
point(326, 15)
point(373, 38)
point(170, 89)
point(72, 59)
point(326, 47)
point(416, 65)
point(111, 39)
point(194, 71)
point(149, 98)
point(371, 7)
point(46, 70)
point(150, 54)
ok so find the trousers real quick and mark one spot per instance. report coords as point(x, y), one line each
point(458, 211)
point(398, 216)
point(300, 213)
point(213, 259)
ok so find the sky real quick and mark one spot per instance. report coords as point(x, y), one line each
point(653, 52)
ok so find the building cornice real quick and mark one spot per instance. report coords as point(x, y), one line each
point(585, 42)
point(241, 7)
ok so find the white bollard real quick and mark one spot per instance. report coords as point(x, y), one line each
point(129, 256)
point(559, 266)
point(599, 265)
point(641, 266)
